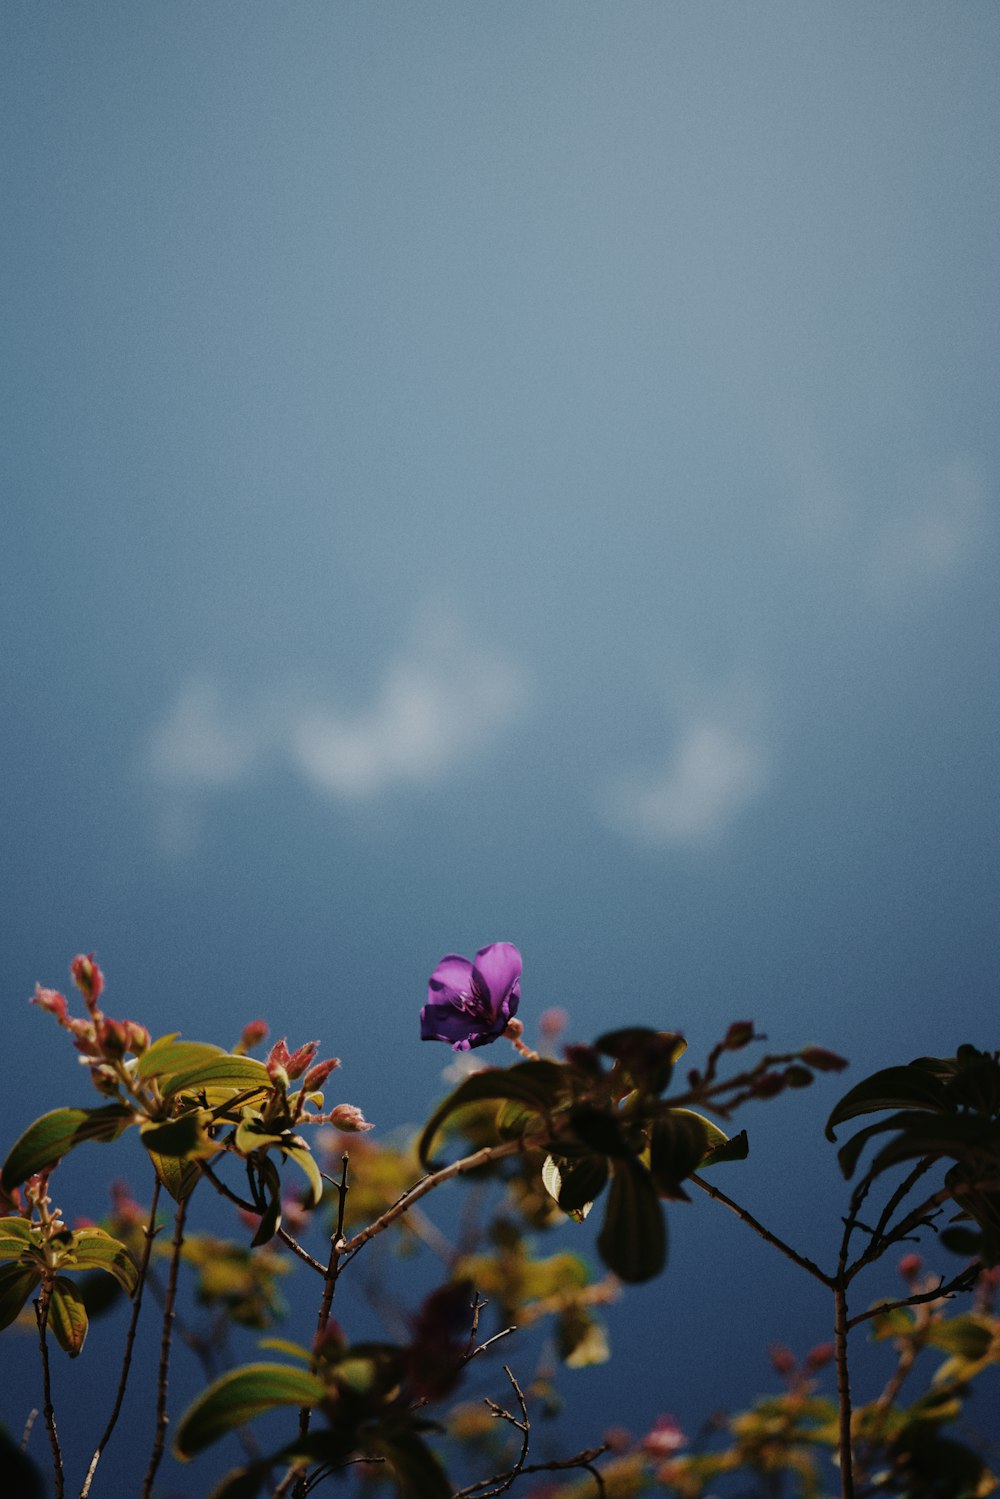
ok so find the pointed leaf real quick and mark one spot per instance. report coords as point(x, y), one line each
point(168, 1055)
point(537, 1084)
point(68, 1316)
point(302, 1156)
point(179, 1177)
point(633, 1240)
point(912, 1087)
point(678, 1142)
point(238, 1397)
point(50, 1137)
point(645, 1055)
point(16, 1284)
point(736, 1149)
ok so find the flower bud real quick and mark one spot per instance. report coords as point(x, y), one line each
point(349, 1119)
point(783, 1360)
point(768, 1085)
point(300, 1059)
point(664, 1439)
point(819, 1357)
point(797, 1077)
point(910, 1266)
point(252, 1035)
point(88, 978)
point(51, 1000)
point(514, 1029)
point(739, 1034)
point(112, 1038)
point(552, 1022)
point(822, 1060)
point(317, 1076)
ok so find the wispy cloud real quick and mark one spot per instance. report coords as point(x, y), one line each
point(442, 702)
point(928, 542)
point(719, 762)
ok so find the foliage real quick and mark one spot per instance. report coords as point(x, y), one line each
point(604, 1127)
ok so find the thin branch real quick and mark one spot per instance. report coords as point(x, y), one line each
point(961, 1282)
point(26, 1433)
point(48, 1410)
point(149, 1233)
point(434, 1179)
point(765, 1233)
point(162, 1417)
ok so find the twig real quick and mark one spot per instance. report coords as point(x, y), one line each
point(149, 1233)
point(502, 1482)
point(482, 1347)
point(434, 1179)
point(765, 1233)
point(26, 1433)
point(162, 1417)
point(48, 1410)
point(961, 1282)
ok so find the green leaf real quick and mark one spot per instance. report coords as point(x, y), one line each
point(168, 1055)
point(736, 1149)
point(967, 1335)
point(93, 1249)
point(266, 1186)
point(184, 1138)
point(50, 1137)
point(223, 1071)
point(633, 1240)
point(416, 1469)
point(15, 1237)
point(179, 1177)
point(645, 1055)
point(537, 1084)
point(16, 1284)
point(911, 1087)
point(240, 1396)
point(302, 1156)
point(68, 1316)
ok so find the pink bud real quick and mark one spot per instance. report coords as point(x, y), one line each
point(783, 1360)
point(88, 978)
point(823, 1060)
point(910, 1266)
point(253, 1034)
point(277, 1061)
point(769, 1085)
point(349, 1119)
point(552, 1022)
point(51, 1000)
point(514, 1029)
point(797, 1077)
point(300, 1059)
point(317, 1076)
point(112, 1038)
point(138, 1037)
point(820, 1356)
point(664, 1439)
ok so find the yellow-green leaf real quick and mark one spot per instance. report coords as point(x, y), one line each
point(50, 1137)
point(240, 1396)
point(68, 1316)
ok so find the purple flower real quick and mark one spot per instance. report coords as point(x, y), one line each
point(469, 1004)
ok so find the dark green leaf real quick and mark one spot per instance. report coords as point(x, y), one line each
point(964, 1241)
point(50, 1137)
point(633, 1240)
point(912, 1087)
point(647, 1057)
point(179, 1177)
point(16, 1284)
point(537, 1084)
point(185, 1137)
point(575, 1181)
point(678, 1142)
point(238, 1397)
point(736, 1149)
point(415, 1468)
point(68, 1316)
point(599, 1129)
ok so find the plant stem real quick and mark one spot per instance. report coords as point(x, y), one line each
point(840, 1326)
point(149, 1232)
point(162, 1417)
point(765, 1233)
point(48, 1410)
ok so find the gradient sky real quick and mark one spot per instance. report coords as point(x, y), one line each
point(508, 470)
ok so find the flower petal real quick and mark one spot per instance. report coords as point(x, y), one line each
point(452, 977)
point(496, 973)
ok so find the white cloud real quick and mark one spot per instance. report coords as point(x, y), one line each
point(720, 763)
point(929, 542)
point(442, 702)
point(439, 705)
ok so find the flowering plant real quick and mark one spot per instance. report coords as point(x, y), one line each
point(548, 1137)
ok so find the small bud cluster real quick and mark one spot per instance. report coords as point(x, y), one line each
point(103, 1043)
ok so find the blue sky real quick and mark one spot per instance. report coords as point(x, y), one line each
point(507, 471)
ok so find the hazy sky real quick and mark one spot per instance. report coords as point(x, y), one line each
point(515, 471)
